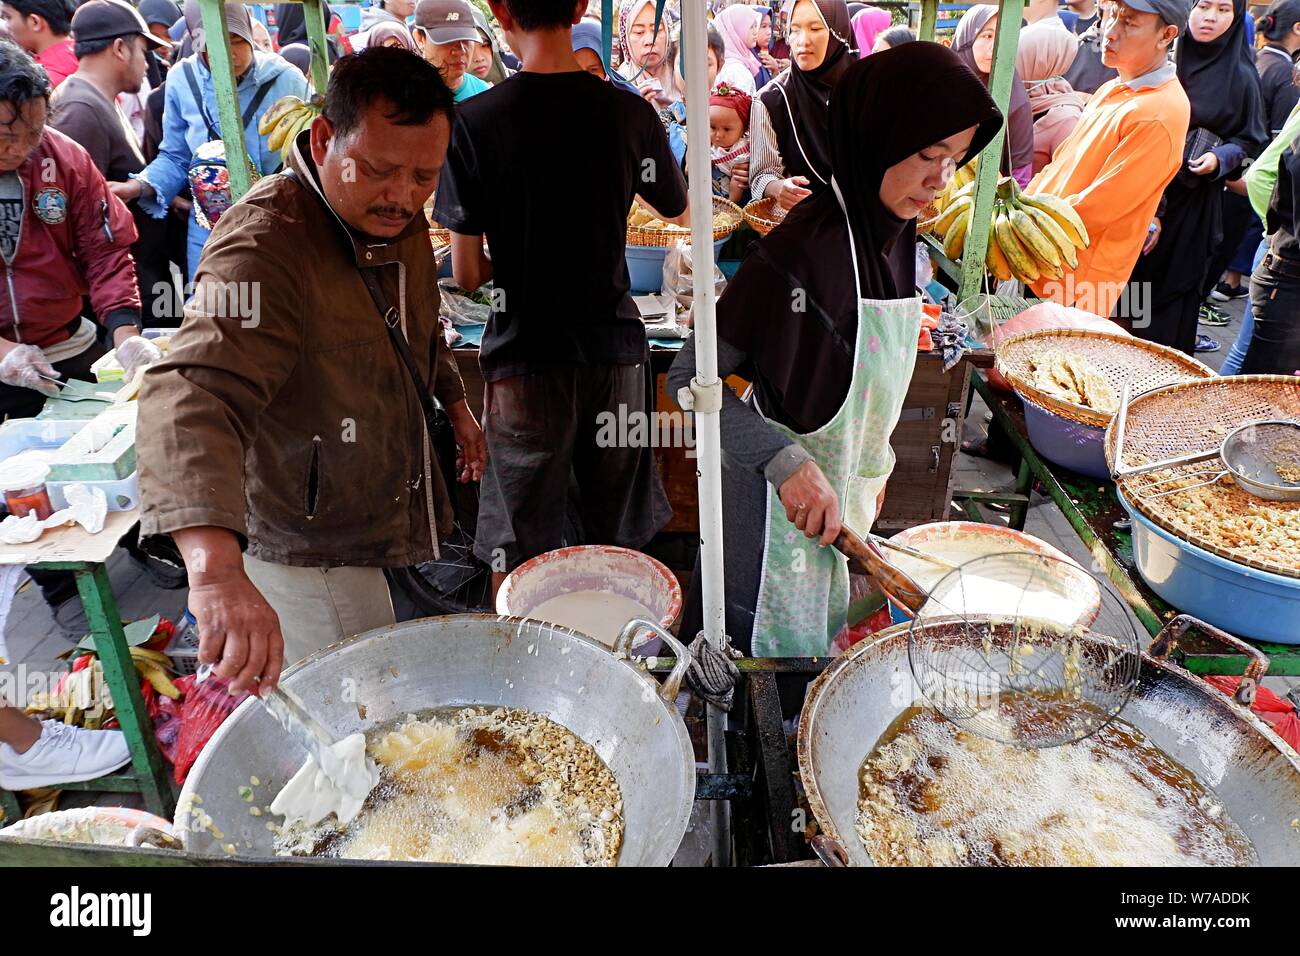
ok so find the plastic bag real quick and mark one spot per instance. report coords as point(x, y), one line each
point(679, 282)
point(1278, 712)
point(205, 707)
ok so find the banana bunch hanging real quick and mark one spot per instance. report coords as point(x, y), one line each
point(287, 117)
point(1031, 236)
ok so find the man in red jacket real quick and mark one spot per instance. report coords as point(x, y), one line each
point(63, 235)
point(41, 27)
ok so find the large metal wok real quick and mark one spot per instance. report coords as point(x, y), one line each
point(383, 675)
point(1253, 772)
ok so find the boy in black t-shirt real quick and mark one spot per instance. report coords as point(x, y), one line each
point(546, 165)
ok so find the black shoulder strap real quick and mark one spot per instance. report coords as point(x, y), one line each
point(393, 321)
point(198, 100)
point(258, 97)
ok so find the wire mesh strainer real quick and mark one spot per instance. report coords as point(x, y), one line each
point(1025, 649)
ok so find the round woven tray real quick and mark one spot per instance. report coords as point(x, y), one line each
point(764, 215)
point(1220, 518)
point(1122, 359)
point(732, 216)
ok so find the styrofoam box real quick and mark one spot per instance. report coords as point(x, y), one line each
point(106, 369)
point(25, 434)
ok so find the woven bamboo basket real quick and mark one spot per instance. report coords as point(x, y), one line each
point(1220, 518)
point(764, 215)
point(1122, 359)
point(727, 217)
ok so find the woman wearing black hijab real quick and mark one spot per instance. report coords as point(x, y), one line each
point(1227, 125)
point(789, 121)
point(823, 318)
point(291, 25)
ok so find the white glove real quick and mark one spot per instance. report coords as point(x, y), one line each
point(23, 368)
point(136, 353)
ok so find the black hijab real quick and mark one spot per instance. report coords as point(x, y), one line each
point(803, 129)
point(291, 20)
point(1020, 123)
point(1223, 85)
point(792, 307)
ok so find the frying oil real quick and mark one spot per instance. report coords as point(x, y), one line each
point(934, 794)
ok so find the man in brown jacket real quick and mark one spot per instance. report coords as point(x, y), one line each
point(285, 418)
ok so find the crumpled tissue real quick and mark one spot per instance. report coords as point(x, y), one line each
point(87, 507)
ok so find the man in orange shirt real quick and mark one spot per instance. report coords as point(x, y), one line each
point(1114, 167)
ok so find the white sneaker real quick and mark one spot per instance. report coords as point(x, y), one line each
point(63, 754)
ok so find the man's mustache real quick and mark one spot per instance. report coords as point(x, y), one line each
point(390, 211)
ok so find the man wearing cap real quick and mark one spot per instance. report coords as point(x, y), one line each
point(190, 123)
point(446, 35)
point(111, 44)
point(1114, 167)
point(41, 28)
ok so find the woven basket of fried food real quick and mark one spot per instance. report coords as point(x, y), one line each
point(1080, 374)
point(646, 229)
point(1221, 517)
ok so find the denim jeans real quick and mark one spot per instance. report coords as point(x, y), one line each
point(1237, 354)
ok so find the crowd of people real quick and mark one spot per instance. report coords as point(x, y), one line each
point(1168, 125)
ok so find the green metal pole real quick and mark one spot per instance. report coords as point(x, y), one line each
point(223, 83)
point(929, 17)
point(124, 685)
point(1004, 63)
point(314, 15)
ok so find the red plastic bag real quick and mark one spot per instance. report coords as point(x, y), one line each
point(204, 709)
point(1278, 712)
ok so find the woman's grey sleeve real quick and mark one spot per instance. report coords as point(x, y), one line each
point(748, 440)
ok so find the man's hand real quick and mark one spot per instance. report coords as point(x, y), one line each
point(739, 182)
point(1237, 186)
point(790, 192)
point(471, 449)
point(1153, 236)
point(238, 630)
point(25, 366)
point(1207, 164)
point(811, 503)
point(134, 352)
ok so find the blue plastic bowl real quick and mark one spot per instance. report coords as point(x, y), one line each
point(1244, 601)
point(645, 265)
point(1080, 448)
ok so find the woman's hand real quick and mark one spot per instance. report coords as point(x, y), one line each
point(128, 190)
point(739, 182)
point(811, 503)
point(769, 63)
point(1207, 164)
point(791, 192)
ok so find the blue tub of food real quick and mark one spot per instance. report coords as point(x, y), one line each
point(645, 265)
point(1067, 443)
point(1242, 600)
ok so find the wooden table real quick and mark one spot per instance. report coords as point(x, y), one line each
point(72, 549)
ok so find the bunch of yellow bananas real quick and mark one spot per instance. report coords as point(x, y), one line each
point(1033, 235)
point(961, 184)
point(1030, 236)
point(286, 118)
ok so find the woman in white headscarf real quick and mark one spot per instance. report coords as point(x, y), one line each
point(643, 52)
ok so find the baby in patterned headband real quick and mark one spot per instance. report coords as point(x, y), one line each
point(729, 141)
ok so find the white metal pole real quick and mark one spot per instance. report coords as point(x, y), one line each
point(706, 386)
